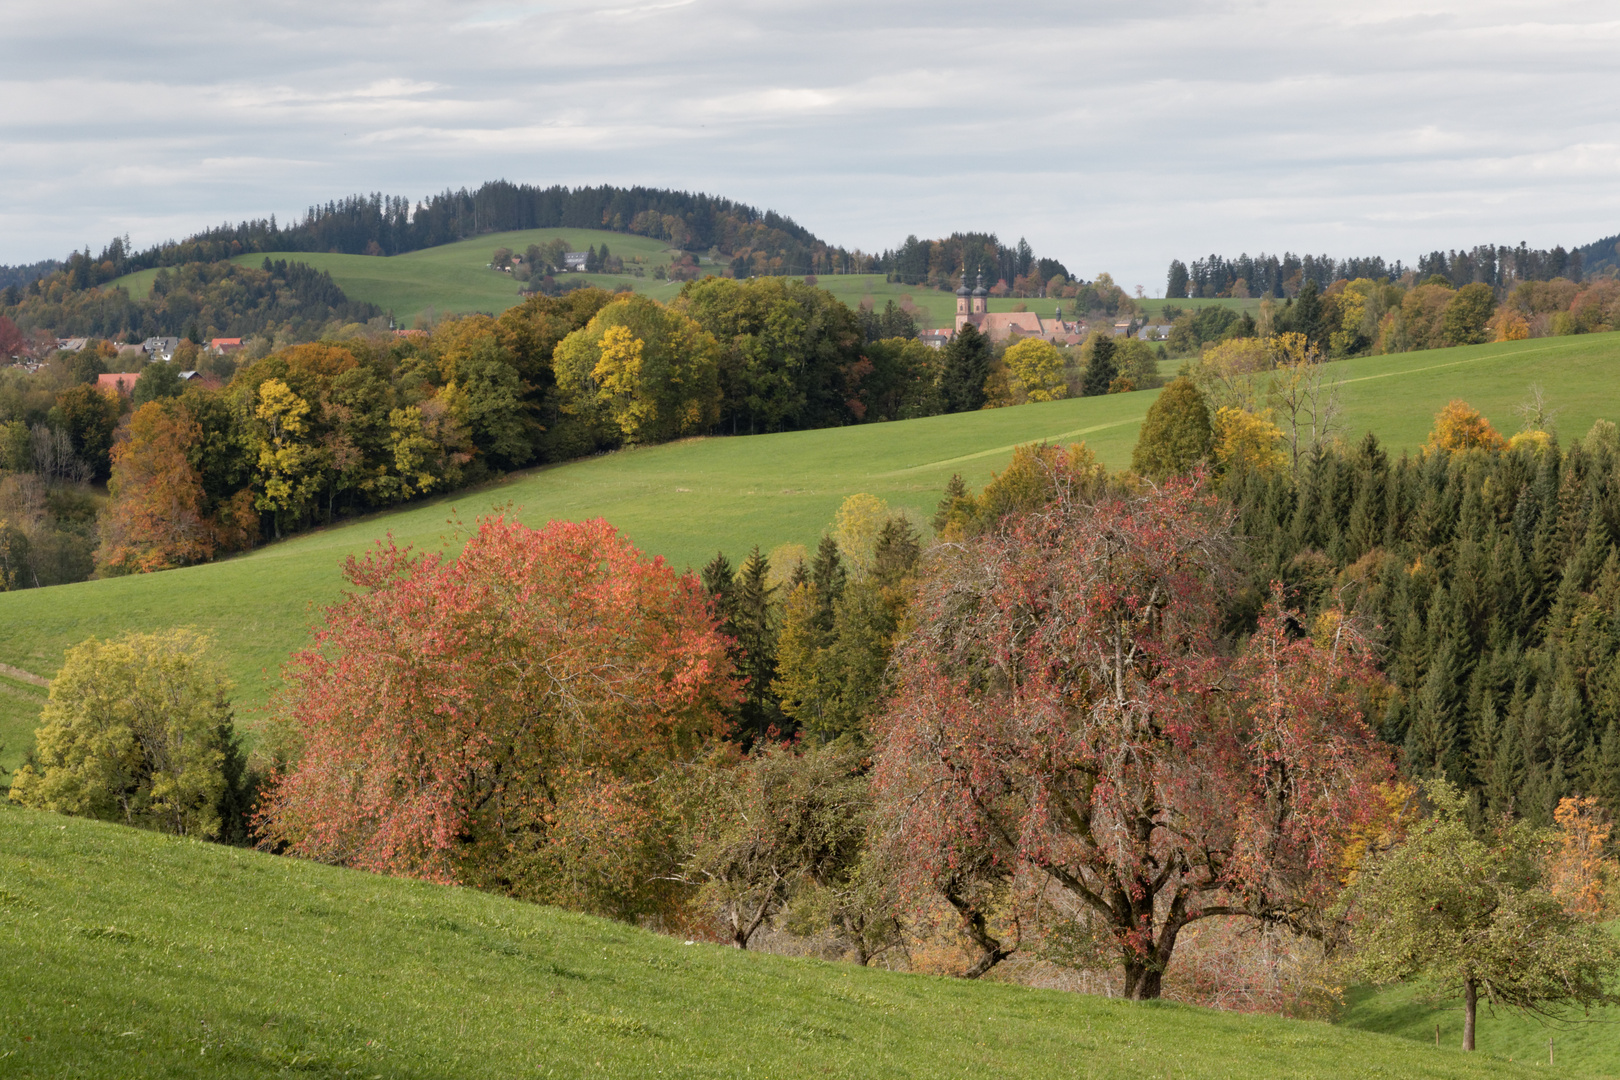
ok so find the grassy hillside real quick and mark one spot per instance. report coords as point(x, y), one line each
point(133, 954)
point(1152, 307)
point(1591, 1043)
point(456, 278)
point(686, 500)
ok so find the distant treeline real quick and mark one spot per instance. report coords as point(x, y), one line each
point(940, 262)
point(1498, 266)
point(757, 242)
point(752, 242)
point(22, 275)
point(198, 300)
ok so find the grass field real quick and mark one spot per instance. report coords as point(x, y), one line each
point(686, 500)
point(456, 278)
point(1586, 1043)
point(134, 954)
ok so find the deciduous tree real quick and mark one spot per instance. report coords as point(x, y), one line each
point(136, 730)
point(1475, 914)
point(503, 720)
point(1035, 371)
point(1063, 705)
point(157, 516)
point(1176, 435)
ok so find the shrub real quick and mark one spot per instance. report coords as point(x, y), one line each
point(136, 730)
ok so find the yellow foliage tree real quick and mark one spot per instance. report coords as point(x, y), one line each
point(1459, 426)
point(859, 521)
point(1247, 442)
point(288, 465)
point(1510, 325)
point(1228, 373)
point(618, 381)
point(1035, 371)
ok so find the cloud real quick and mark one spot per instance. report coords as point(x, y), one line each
point(1112, 136)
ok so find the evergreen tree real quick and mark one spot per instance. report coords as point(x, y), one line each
point(1100, 369)
point(753, 624)
point(1176, 434)
point(967, 366)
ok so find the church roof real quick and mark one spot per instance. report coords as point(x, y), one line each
point(981, 290)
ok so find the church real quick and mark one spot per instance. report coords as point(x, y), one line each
point(973, 307)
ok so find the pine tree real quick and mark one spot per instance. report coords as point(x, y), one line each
point(719, 582)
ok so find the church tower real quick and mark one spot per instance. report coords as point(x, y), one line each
point(979, 295)
point(962, 302)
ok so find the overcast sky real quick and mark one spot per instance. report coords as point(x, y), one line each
point(1114, 136)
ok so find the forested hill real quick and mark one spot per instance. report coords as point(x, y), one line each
point(753, 242)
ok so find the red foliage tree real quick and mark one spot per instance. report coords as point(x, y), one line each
point(503, 720)
point(1064, 705)
point(13, 342)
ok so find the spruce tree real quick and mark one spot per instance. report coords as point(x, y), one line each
point(753, 627)
point(1100, 369)
point(967, 366)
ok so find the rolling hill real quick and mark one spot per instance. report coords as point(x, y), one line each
point(456, 278)
point(686, 500)
point(130, 953)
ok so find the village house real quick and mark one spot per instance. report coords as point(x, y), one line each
point(121, 383)
point(161, 348)
point(575, 260)
point(224, 346)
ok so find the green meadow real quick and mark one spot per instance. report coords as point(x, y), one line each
point(1581, 1042)
point(686, 500)
point(456, 278)
point(130, 953)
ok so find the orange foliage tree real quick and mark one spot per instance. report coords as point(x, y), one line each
point(508, 720)
point(1460, 426)
point(1579, 872)
point(157, 517)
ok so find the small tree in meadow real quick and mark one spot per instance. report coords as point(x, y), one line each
point(1475, 915)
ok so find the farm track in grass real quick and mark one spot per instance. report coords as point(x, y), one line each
point(688, 499)
point(129, 953)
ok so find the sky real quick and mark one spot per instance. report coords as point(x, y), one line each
point(1113, 136)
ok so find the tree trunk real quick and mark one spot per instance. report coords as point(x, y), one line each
point(1470, 1004)
point(1143, 983)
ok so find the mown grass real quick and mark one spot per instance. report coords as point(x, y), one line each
point(1582, 1042)
point(134, 954)
point(686, 500)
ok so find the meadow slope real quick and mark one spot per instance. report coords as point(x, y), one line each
point(688, 499)
point(130, 953)
point(456, 279)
